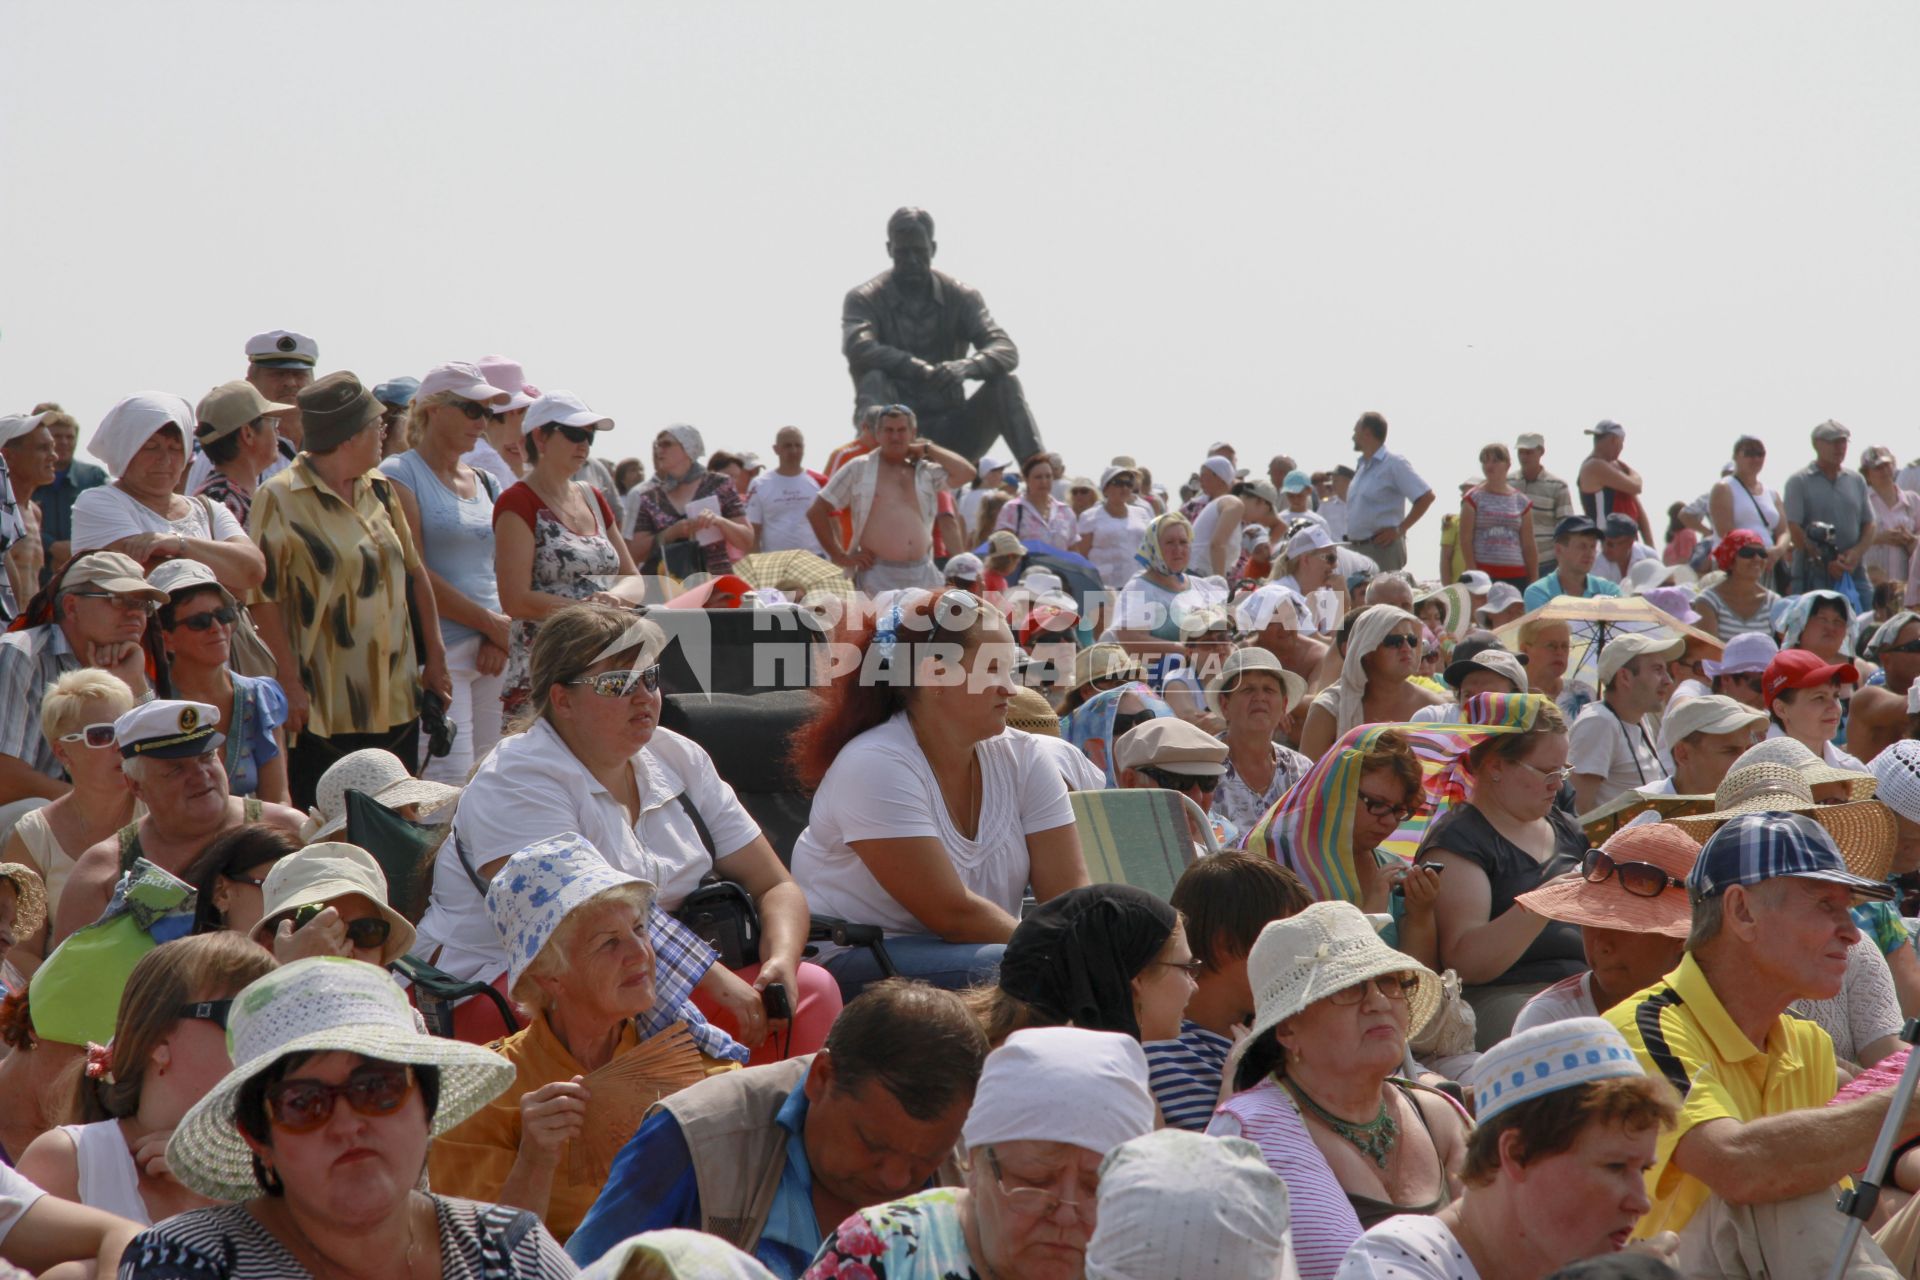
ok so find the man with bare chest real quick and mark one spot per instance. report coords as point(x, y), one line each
point(893, 494)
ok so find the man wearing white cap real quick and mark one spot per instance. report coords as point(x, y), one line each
point(777, 504)
point(279, 363)
point(1552, 500)
point(1378, 516)
point(1216, 530)
point(1610, 747)
point(1504, 604)
point(170, 752)
point(1703, 736)
point(26, 463)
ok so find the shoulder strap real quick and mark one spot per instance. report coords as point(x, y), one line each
point(206, 504)
point(699, 824)
point(466, 865)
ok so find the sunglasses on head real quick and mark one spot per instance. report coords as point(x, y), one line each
point(94, 735)
point(1397, 640)
point(1641, 879)
point(224, 616)
point(618, 684)
point(574, 435)
point(1180, 781)
point(376, 1089)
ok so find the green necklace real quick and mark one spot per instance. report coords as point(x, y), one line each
point(1375, 1139)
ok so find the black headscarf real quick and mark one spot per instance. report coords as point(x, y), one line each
point(1074, 959)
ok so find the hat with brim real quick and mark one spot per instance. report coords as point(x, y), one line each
point(561, 409)
point(1607, 905)
point(111, 571)
point(1509, 666)
point(1245, 662)
point(1327, 948)
point(1030, 712)
point(1817, 772)
point(229, 407)
point(183, 575)
point(536, 889)
point(380, 776)
point(334, 410)
point(1100, 662)
point(30, 910)
point(322, 872)
point(327, 1004)
point(1865, 830)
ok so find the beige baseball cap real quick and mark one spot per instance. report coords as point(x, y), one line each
point(229, 407)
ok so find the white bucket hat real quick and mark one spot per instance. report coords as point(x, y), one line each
point(542, 885)
point(1244, 661)
point(322, 1005)
point(178, 575)
point(328, 870)
point(375, 773)
point(1327, 948)
point(1182, 1204)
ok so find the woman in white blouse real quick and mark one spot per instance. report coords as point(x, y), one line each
point(1740, 501)
point(929, 820)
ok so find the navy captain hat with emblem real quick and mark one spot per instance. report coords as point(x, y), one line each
point(167, 729)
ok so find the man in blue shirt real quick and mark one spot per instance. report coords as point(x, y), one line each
point(1383, 484)
point(1576, 542)
point(773, 1158)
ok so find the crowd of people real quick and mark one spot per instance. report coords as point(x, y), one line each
point(361, 913)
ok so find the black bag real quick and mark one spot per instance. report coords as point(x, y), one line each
point(720, 911)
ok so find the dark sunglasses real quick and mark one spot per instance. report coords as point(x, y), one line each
point(475, 412)
point(1750, 553)
point(224, 615)
point(301, 1106)
point(1641, 879)
point(1911, 646)
point(574, 435)
point(1180, 781)
point(1396, 640)
point(618, 684)
point(214, 1011)
point(366, 933)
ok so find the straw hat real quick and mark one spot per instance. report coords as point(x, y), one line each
point(1865, 830)
point(685, 1255)
point(375, 773)
point(327, 870)
point(30, 912)
point(322, 1005)
point(1100, 662)
point(1031, 712)
point(1791, 751)
point(1607, 905)
point(1254, 658)
point(1327, 948)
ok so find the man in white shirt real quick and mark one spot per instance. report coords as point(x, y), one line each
point(777, 502)
point(1216, 530)
point(1610, 748)
point(1334, 509)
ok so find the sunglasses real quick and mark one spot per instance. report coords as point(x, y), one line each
point(214, 1011)
point(574, 435)
point(1393, 986)
point(1641, 879)
point(475, 412)
point(1381, 808)
point(366, 933)
point(1911, 646)
point(618, 684)
point(1750, 553)
point(223, 616)
point(1399, 641)
point(301, 1106)
point(1180, 781)
point(94, 735)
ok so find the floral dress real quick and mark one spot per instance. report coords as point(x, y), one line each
point(654, 511)
point(919, 1238)
point(565, 563)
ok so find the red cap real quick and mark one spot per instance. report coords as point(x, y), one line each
point(1801, 669)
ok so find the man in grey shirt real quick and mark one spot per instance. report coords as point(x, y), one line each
point(1827, 493)
point(1552, 500)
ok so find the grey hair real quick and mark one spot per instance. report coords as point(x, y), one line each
point(897, 411)
point(1708, 915)
point(551, 960)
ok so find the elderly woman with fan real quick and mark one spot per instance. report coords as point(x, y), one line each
point(575, 931)
point(1384, 646)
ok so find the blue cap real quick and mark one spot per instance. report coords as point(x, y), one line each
point(1295, 482)
point(1754, 847)
point(398, 392)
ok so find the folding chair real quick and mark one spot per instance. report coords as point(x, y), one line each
point(1140, 836)
point(435, 992)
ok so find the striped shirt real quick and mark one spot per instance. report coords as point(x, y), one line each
point(30, 661)
point(1681, 1032)
point(1185, 1074)
point(1324, 1223)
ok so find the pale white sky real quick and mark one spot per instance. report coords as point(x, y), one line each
point(1242, 221)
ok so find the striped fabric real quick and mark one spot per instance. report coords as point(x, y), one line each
point(1185, 1075)
point(1324, 1223)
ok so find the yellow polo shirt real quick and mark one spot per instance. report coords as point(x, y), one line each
point(1682, 1033)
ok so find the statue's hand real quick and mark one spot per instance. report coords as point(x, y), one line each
point(950, 374)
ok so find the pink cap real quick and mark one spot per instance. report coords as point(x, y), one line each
point(509, 377)
point(465, 381)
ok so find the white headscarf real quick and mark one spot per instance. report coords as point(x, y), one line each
point(693, 1255)
point(1351, 689)
point(132, 422)
point(1183, 1204)
point(1087, 1089)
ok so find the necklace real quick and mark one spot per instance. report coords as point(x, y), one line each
point(1375, 1139)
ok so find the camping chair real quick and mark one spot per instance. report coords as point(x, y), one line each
point(1139, 837)
point(436, 992)
point(403, 849)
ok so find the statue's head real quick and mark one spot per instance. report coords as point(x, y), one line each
point(910, 243)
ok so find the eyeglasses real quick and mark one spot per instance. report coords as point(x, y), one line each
point(1641, 879)
point(301, 1106)
point(574, 435)
point(94, 735)
point(1031, 1202)
point(1383, 808)
point(1192, 968)
point(1391, 986)
point(223, 616)
point(1751, 679)
point(618, 684)
point(475, 412)
point(214, 1011)
point(1555, 776)
point(1180, 781)
point(124, 603)
point(1399, 641)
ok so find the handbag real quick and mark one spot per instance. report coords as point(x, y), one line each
point(720, 911)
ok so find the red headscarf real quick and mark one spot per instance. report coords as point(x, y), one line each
point(1730, 547)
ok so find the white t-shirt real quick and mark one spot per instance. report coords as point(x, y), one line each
point(488, 459)
point(1080, 773)
point(881, 788)
point(1567, 998)
point(1334, 512)
point(17, 1195)
point(532, 787)
point(1203, 531)
point(1410, 1246)
point(1622, 754)
point(1605, 568)
point(105, 514)
point(1440, 713)
point(778, 504)
point(1116, 540)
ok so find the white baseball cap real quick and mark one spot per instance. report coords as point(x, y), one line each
point(1500, 596)
point(1476, 582)
point(562, 409)
point(1312, 538)
point(15, 425)
point(1708, 713)
point(1636, 644)
point(463, 380)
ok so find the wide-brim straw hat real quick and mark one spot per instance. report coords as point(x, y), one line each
point(375, 773)
point(1242, 661)
point(322, 1005)
point(30, 912)
point(1791, 751)
point(1327, 948)
point(1607, 905)
point(1030, 711)
point(1865, 830)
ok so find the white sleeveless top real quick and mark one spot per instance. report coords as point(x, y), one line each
point(55, 863)
point(108, 1179)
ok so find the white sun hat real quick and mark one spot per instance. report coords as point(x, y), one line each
point(540, 886)
point(1327, 948)
point(375, 773)
point(327, 1004)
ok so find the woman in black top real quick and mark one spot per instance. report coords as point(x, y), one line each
point(1510, 838)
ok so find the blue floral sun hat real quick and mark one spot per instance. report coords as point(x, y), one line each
point(542, 885)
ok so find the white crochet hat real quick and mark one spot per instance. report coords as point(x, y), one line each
point(1547, 1059)
point(372, 772)
point(1327, 948)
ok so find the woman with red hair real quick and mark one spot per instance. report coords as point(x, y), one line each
point(928, 819)
point(1743, 602)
